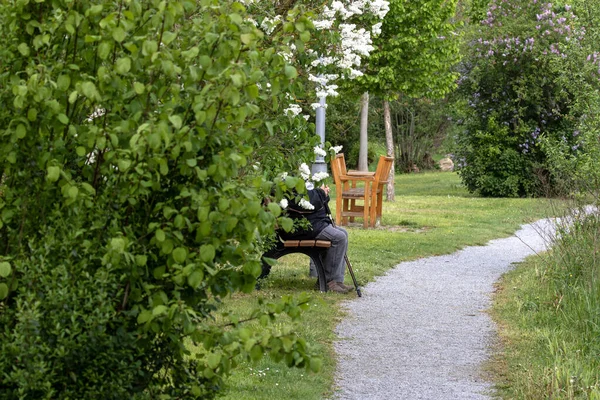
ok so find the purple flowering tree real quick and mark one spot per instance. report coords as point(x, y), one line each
point(512, 96)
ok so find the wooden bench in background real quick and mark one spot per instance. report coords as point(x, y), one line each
point(315, 249)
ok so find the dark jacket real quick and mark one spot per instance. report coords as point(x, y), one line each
point(318, 218)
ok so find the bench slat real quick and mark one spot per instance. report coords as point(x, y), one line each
point(307, 243)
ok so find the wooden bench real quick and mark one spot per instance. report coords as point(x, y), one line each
point(315, 249)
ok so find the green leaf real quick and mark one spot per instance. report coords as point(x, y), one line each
point(305, 36)
point(168, 37)
point(63, 119)
point(179, 255)
point(195, 279)
point(213, 360)
point(253, 208)
point(159, 310)
point(290, 72)
point(104, 49)
point(237, 80)
point(124, 165)
point(160, 235)
point(73, 192)
point(252, 91)
point(141, 260)
point(149, 47)
point(247, 38)
point(52, 173)
point(236, 18)
point(3, 291)
point(63, 82)
point(275, 209)
point(118, 244)
point(256, 353)
point(89, 90)
point(5, 269)
point(23, 49)
point(21, 131)
point(286, 223)
point(139, 87)
point(207, 252)
point(123, 65)
point(118, 34)
point(176, 121)
point(32, 114)
point(158, 272)
point(316, 364)
point(144, 316)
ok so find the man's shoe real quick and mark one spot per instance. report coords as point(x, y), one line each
point(336, 287)
point(349, 288)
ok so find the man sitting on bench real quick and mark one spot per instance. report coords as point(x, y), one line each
point(322, 229)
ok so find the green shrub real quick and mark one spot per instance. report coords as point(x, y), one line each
point(130, 206)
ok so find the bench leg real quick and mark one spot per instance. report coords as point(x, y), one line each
point(316, 257)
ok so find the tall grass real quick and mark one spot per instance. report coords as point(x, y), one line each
point(549, 316)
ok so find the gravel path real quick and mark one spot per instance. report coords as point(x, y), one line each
point(421, 331)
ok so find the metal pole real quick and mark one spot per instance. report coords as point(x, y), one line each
point(319, 164)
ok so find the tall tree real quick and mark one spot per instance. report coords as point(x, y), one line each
point(415, 50)
point(363, 163)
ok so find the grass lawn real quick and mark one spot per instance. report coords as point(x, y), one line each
point(432, 215)
point(548, 313)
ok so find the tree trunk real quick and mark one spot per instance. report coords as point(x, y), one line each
point(363, 162)
point(389, 141)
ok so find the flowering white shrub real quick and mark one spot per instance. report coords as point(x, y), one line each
point(320, 152)
point(304, 171)
point(336, 149)
point(319, 176)
point(344, 30)
point(283, 204)
point(306, 204)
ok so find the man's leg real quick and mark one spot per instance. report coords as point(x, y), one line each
point(334, 258)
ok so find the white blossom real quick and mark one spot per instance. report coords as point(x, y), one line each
point(323, 25)
point(336, 149)
point(306, 204)
point(319, 176)
point(283, 203)
point(284, 175)
point(90, 158)
point(294, 109)
point(319, 151)
point(98, 112)
point(268, 24)
point(317, 105)
point(376, 29)
point(304, 171)
point(354, 73)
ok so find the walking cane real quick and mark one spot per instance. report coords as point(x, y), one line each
point(358, 292)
